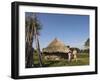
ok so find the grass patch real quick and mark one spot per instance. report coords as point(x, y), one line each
point(83, 59)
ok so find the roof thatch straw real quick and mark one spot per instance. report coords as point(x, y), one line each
point(56, 46)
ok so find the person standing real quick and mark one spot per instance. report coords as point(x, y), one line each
point(75, 55)
point(69, 56)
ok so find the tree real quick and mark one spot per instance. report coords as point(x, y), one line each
point(87, 44)
point(32, 28)
point(75, 48)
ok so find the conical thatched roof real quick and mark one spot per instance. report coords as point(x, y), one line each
point(56, 46)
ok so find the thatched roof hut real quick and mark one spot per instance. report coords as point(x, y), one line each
point(55, 50)
point(56, 46)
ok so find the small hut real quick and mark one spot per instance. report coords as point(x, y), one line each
point(56, 50)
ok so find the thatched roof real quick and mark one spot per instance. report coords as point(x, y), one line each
point(56, 46)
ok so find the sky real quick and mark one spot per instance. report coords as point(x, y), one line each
point(72, 30)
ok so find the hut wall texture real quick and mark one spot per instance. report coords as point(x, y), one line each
point(55, 56)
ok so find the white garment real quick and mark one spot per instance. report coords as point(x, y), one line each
point(69, 56)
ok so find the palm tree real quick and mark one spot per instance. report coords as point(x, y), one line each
point(32, 27)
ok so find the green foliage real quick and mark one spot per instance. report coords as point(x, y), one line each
point(87, 42)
